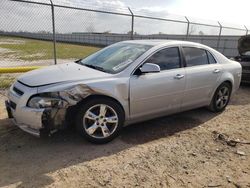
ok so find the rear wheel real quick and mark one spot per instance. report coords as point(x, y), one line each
point(100, 120)
point(221, 98)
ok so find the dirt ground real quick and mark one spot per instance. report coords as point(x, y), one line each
point(181, 150)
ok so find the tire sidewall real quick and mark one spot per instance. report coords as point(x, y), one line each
point(88, 104)
point(214, 106)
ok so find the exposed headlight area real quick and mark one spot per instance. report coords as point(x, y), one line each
point(46, 100)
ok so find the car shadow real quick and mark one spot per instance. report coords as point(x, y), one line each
point(163, 127)
point(27, 159)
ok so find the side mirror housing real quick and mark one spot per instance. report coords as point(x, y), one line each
point(149, 68)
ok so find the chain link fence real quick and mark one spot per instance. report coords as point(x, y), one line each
point(42, 33)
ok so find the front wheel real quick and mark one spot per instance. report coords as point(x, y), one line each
point(221, 98)
point(100, 120)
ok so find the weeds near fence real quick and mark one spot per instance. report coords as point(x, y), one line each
point(31, 49)
point(6, 80)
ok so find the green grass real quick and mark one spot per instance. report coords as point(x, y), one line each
point(30, 49)
point(6, 81)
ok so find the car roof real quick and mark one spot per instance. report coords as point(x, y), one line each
point(157, 42)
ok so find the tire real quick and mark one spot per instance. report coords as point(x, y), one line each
point(94, 120)
point(221, 98)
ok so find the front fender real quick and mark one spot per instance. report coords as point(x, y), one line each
point(74, 92)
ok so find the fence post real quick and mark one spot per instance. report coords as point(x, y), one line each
point(132, 24)
point(246, 30)
point(218, 41)
point(188, 23)
point(54, 32)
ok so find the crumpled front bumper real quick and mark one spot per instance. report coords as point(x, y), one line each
point(33, 119)
point(42, 121)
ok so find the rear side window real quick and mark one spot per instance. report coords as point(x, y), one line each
point(211, 58)
point(167, 59)
point(195, 56)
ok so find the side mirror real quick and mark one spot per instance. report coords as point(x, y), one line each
point(78, 61)
point(150, 67)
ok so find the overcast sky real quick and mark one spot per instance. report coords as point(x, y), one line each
point(16, 16)
point(232, 11)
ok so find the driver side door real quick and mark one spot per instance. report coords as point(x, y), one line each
point(154, 94)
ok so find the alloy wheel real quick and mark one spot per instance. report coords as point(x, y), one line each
point(222, 97)
point(100, 121)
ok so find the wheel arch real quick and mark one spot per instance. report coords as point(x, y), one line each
point(228, 82)
point(95, 96)
point(228, 78)
point(72, 110)
point(211, 106)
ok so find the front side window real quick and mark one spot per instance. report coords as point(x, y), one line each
point(167, 59)
point(195, 56)
point(115, 58)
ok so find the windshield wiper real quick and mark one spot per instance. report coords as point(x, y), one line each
point(96, 67)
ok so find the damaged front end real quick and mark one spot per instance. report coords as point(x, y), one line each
point(57, 106)
point(244, 57)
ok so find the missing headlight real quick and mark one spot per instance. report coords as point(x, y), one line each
point(46, 100)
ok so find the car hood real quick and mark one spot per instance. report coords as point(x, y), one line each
point(60, 73)
point(244, 45)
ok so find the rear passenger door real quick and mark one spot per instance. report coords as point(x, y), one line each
point(202, 72)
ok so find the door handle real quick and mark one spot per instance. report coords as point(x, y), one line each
point(216, 70)
point(179, 76)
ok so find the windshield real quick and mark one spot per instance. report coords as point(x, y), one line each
point(115, 58)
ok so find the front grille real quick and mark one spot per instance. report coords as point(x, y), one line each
point(12, 105)
point(18, 91)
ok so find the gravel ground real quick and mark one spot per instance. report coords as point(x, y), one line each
point(182, 150)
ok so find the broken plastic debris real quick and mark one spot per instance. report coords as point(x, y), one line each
point(242, 153)
point(225, 138)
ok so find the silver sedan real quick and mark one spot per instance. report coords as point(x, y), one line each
point(124, 83)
